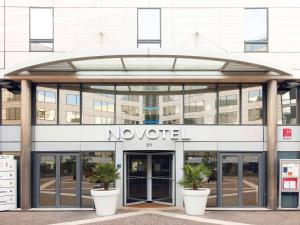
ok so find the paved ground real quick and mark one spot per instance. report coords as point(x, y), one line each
point(156, 217)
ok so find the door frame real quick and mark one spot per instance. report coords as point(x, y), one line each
point(36, 184)
point(149, 183)
point(261, 178)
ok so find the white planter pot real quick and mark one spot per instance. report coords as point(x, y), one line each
point(195, 201)
point(105, 201)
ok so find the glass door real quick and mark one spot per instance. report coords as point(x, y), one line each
point(136, 178)
point(162, 178)
point(59, 180)
point(240, 180)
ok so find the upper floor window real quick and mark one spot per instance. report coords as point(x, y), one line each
point(73, 99)
point(227, 100)
point(10, 106)
point(41, 29)
point(46, 96)
point(256, 30)
point(149, 28)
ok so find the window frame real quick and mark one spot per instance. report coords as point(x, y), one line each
point(148, 41)
point(266, 42)
point(41, 40)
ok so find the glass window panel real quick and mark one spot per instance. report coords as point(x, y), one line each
point(47, 181)
point(11, 107)
point(148, 63)
point(148, 24)
point(46, 104)
point(69, 104)
point(252, 104)
point(287, 107)
point(250, 180)
point(88, 160)
point(148, 45)
point(99, 64)
point(210, 160)
point(200, 104)
point(229, 102)
point(197, 64)
point(98, 104)
point(256, 47)
point(256, 24)
point(68, 180)
point(39, 46)
point(41, 23)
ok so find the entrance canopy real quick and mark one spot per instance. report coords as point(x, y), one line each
point(146, 63)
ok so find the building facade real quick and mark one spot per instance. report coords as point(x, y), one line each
point(150, 86)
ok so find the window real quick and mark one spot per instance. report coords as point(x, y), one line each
point(11, 107)
point(169, 98)
point(72, 117)
point(252, 104)
point(73, 99)
point(130, 110)
point(69, 103)
point(198, 120)
point(170, 110)
point(46, 103)
point(131, 98)
point(130, 122)
point(149, 28)
point(41, 29)
point(228, 118)
point(103, 120)
point(228, 100)
point(176, 121)
point(256, 30)
point(45, 114)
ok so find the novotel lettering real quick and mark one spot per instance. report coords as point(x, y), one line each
point(150, 133)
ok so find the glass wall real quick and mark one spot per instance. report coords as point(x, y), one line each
point(88, 160)
point(11, 107)
point(46, 104)
point(210, 160)
point(230, 104)
point(200, 104)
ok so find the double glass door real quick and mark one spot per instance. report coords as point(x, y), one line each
point(240, 180)
point(59, 180)
point(149, 177)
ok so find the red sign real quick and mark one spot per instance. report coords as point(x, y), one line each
point(289, 183)
point(287, 133)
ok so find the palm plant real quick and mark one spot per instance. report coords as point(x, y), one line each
point(194, 175)
point(105, 173)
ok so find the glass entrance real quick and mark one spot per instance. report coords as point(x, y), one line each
point(58, 180)
point(149, 178)
point(240, 180)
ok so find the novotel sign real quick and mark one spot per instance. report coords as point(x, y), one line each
point(149, 133)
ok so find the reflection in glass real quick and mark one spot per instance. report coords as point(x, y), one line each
point(47, 181)
point(68, 180)
point(136, 178)
point(98, 104)
point(46, 103)
point(200, 104)
point(210, 160)
point(150, 104)
point(230, 182)
point(11, 107)
point(229, 101)
point(162, 182)
point(250, 180)
point(88, 160)
point(252, 104)
point(287, 107)
point(69, 104)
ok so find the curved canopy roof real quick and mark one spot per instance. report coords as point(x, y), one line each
point(127, 60)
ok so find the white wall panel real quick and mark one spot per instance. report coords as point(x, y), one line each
point(200, 146)
point(288, 146)
point(241, 146)
point(10, 133)
point(98, 146)
point(10, 146)
point(56, 146)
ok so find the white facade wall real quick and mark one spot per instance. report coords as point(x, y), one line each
point(220, 24)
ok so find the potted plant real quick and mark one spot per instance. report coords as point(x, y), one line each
point(105, 199)
point(194, 196)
